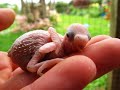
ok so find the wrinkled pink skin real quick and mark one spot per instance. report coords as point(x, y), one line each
point(26, 46)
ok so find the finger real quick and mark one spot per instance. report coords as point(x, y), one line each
point(19, 81)
point(4, 75)
point(7, 17)
point(5, 67)
point(74, 73)
point(4, 60)
point(105, 54)
point(97, 39)
point(16, 72)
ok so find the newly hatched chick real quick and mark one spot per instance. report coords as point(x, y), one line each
point(37, 50)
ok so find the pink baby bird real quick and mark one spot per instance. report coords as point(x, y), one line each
point(38, 50)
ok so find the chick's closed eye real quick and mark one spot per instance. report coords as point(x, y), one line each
point(70, 35)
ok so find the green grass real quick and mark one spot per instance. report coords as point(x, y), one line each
point(97, 26)
point(99, 84)
point(7, 38)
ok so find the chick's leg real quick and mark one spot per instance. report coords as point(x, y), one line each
point(47, 65)
point(55, 45)
point(33, 64)
point(57, 41)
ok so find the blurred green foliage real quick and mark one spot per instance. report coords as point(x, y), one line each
point(61, 7)
point(98, 83)
point(94, 9)
point(96, 1)
point(7, 5)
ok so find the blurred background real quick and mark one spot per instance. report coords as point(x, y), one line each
point(41, 14)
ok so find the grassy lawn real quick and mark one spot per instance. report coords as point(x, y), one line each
point(7, 38)
point(96, 26)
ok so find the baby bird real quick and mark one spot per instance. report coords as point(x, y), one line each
point(38, 50)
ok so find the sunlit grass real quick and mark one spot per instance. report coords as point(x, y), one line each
point(96, 26)
point(7, 37)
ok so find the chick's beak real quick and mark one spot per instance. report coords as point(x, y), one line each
point(81, 39)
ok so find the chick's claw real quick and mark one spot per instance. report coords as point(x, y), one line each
point(47, 65)
point(32, 65)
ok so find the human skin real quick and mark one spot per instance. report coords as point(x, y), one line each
point(7, 17)
point(75, 72)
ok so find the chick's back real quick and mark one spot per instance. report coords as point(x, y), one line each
point(26, 45)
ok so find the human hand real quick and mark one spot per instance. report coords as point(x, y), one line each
point(100, 56)
point(5, 67)
point(7, 17)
